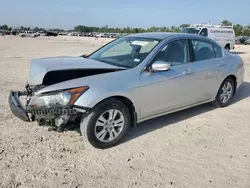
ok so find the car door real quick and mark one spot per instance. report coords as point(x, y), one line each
point(204, 32)
point(206, 58)
point(168, 90)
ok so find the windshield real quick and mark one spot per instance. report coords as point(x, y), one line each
point(125, 52)
point(191, 30)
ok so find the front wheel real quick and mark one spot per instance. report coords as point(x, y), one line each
point(106, 124)
point(225, 93)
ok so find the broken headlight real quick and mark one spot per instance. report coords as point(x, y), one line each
point(57, 99)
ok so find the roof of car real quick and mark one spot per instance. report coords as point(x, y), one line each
point(157, 35)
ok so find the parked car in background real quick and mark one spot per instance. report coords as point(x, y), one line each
point(224, 35)
point(62, 33)
point(92, 34)
point(244, 39)
point(99, 35)
point(2, 33)
point(105, 35)
point(29, 34)
point(14, 32)
point(152, 74)
point(71, 34)
point(42, 33)
point(247, 42)
point(51, 34)
point(113, 35)
point(81, 34)
point(237, 39)
point(7, 32)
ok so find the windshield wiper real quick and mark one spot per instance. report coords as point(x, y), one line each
point(84, 56)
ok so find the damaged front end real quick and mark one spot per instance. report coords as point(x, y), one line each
point(54, 109)
point(55, 106)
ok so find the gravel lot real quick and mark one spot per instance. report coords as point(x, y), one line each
point(199, 147)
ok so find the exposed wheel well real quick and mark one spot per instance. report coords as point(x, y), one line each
point(235, 81)
point(130, 106)
point(227, 46)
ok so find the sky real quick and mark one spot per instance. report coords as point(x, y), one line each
point(66, 14)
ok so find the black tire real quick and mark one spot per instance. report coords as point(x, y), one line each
point(227, 47)
point(88, 122)
point(217, 101)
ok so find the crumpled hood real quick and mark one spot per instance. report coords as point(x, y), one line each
point(39, 67)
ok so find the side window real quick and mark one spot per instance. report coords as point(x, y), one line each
point(175, 52)
point(204, 33)
point(202, 50)
point(217, 51)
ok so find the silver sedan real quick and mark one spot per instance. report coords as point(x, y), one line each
point(130, 80)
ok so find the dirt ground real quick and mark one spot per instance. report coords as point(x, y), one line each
point(199, 147)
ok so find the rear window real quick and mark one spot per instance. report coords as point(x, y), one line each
point(202, 50)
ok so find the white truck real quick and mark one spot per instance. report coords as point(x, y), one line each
point(29, 34)
point(223, 35)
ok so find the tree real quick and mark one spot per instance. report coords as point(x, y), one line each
point(239, 30)
point(226, 23)
point(182, 26)
point(36, 29)
point(246, 30)
point(4, 27)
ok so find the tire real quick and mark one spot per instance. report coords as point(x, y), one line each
point(89, 128)
point(227, 47)
point(218, 101)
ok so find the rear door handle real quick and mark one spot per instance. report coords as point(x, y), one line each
point(187, 71)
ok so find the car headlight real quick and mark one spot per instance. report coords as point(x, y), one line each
point(60, 98)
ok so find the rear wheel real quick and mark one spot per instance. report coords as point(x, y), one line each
point(227, 47)
point(225, 93)
point(106, 124)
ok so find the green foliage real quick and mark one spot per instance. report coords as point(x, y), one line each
point(226, 23)
point(106, 29)
point(4, 27)
point(182, 26)
point(239, 29)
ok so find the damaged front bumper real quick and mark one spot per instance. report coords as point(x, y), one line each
point(16, 106)
point(57, 117)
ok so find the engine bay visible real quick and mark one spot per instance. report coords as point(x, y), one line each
point(54, 77)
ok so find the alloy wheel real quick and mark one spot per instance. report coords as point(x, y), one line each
point(109, 125)
point(226, 92)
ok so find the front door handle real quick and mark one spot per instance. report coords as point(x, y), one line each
point(187, 71)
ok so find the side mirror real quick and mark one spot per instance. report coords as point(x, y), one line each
point(161, 66)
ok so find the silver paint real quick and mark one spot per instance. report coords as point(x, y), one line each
point(152, 93)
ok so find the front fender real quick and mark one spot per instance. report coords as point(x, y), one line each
point(92, 98)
